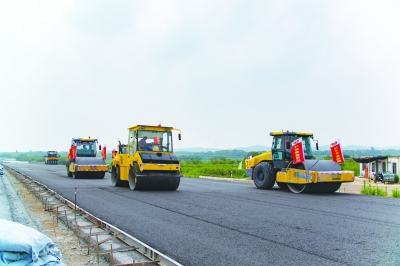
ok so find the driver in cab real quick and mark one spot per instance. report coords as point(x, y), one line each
point(143, 144)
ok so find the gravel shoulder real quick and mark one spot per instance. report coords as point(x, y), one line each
point(25, 209)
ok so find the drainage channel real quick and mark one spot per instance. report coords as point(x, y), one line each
point(95, 235)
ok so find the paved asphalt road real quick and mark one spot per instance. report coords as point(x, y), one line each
point(208, 222)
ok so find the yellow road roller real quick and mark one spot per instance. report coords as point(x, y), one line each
point(51, 157)
point(309, 176)
point(82, 160)
point(147, 160)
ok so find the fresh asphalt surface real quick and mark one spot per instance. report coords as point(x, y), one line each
point(208, 222)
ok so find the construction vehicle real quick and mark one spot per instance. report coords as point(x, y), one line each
point(147, 161)
point(51, 157)
point(82, 160)
point(310, 176)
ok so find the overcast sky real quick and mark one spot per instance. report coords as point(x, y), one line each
point(224, 72)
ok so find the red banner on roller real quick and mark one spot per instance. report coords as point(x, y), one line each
point(72, 152)
point(104, 153)
point(336, 150)
point(297, 151)
point(113, 153)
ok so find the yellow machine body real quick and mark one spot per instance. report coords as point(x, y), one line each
point(297, 176)
point(51, 157)
point(153, 166)
point(310, 176)
point(82, 160)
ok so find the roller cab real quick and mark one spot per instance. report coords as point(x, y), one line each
point(82, 160)
point(309, 176)
point(147, 161)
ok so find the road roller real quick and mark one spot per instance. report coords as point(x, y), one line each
point(308, 176)
point(51, 157)
point(147, 161)
point(82, 160)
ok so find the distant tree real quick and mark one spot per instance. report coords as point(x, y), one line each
point(253, 153)
point(22, 157)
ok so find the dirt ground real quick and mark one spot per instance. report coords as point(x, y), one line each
point(356, 186)
point(62, 236)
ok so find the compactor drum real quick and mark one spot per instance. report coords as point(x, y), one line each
point(147, 161)
point(310, 176)
point(82, 161)
point(51, 157)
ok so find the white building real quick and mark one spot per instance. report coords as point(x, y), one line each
point(390, 164)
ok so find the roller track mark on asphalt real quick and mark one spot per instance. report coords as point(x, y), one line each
point(234, 230)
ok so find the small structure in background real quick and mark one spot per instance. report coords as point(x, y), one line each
point(372, 165)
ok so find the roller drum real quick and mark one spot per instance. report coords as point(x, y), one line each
point(318, 166)
point(90, 161)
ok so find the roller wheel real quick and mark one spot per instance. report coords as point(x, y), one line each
point(314, 188)
point(115, 177)
point(100, 175)
point(174, 184)
point(264, 175)
point(69, 174)
point(133, 180)
point(282, 185)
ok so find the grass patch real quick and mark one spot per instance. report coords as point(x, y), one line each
point(373, 191)
point(396, 193)
point(215, 167)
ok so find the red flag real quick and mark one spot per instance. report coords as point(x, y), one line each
point(113, 153)
point(72, 152)
point(297, 151)
point(336, 150)
point(103, 153)
point(156, 140)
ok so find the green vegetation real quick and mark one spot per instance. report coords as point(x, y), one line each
point(359, 153)
point(36, 156)
point(32, 156)
point(351, 165)
point(396, 178)
point(376, 191)
point(233, 154)
point(218, 167)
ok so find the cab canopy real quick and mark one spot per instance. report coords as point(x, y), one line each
point(287, 133)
